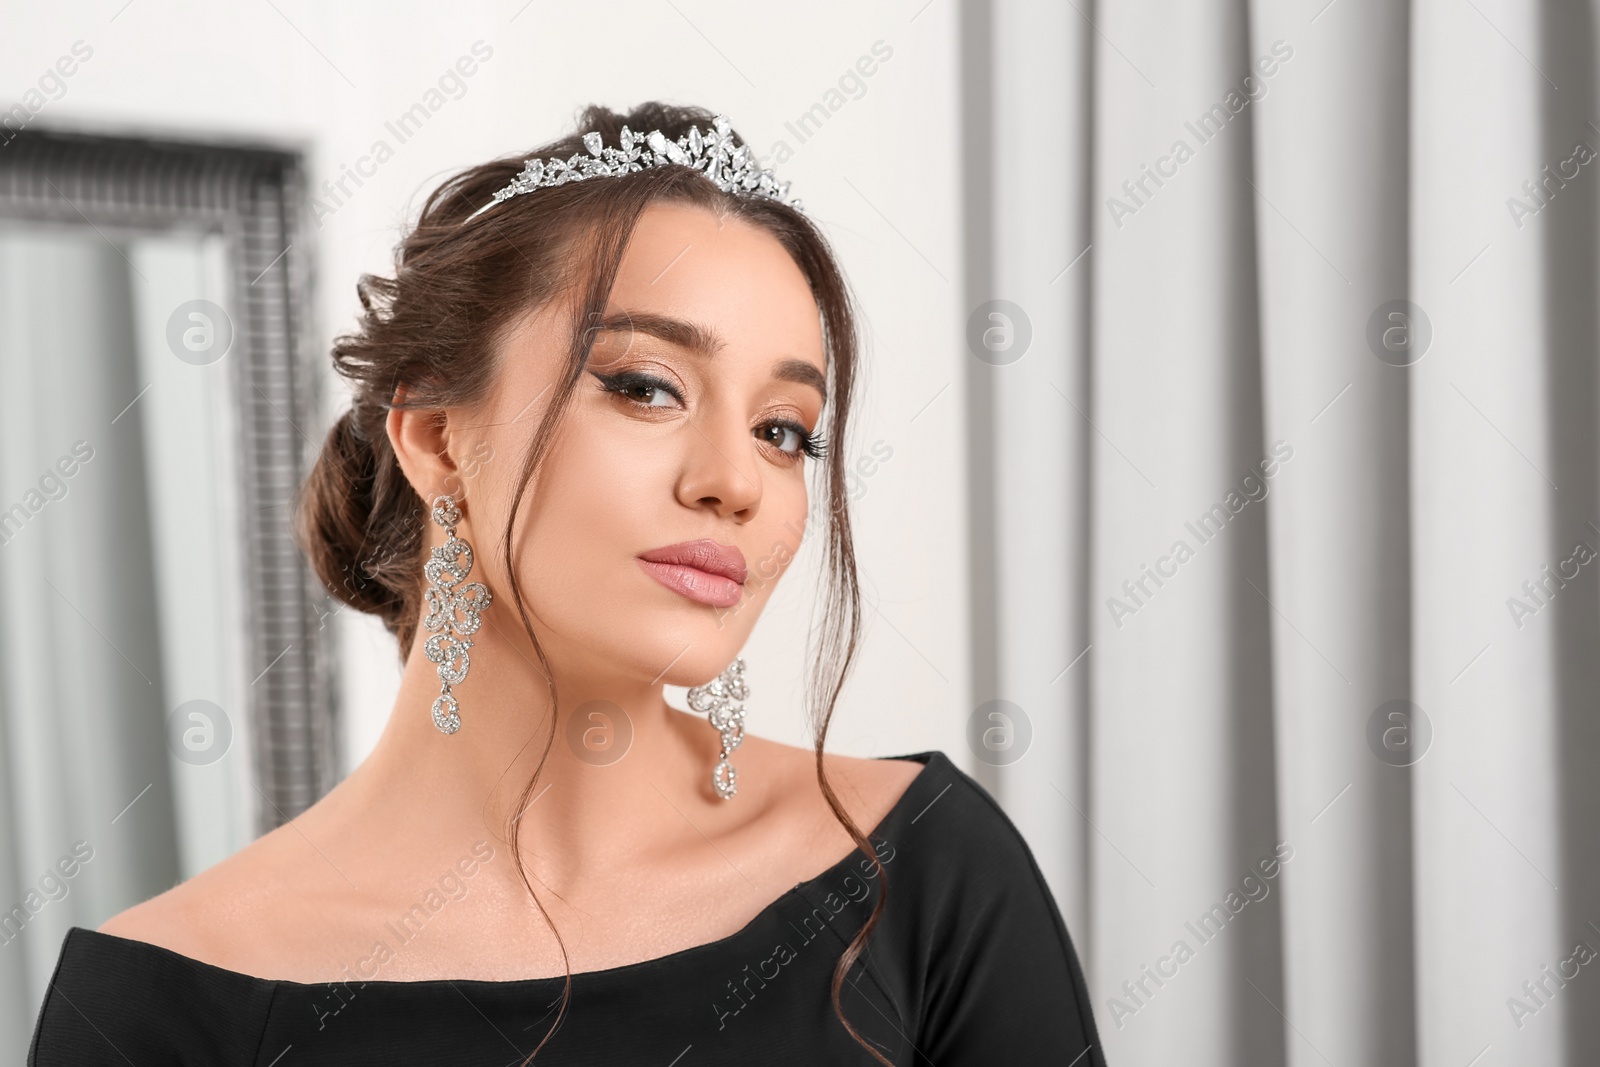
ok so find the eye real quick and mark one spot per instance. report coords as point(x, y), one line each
point(649, 391)
point(792, 439)
point(643, 389)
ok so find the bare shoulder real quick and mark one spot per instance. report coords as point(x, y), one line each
point(880, 782)
point(188, 917)
point(162, 920)
point(203, 916)
point(867, 788)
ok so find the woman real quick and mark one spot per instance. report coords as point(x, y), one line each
point(574, 467)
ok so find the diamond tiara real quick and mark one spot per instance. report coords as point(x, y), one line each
point(713, 153)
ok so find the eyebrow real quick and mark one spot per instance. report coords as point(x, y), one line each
point(703, 341)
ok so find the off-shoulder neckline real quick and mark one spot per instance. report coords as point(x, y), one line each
point(98, 940)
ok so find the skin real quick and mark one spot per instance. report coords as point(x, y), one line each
point(636, 858)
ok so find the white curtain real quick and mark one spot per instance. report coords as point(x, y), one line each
point(1303, 450)
point(82, 690)
point(119, 593)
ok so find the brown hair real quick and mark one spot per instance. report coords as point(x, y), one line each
point(433, 328)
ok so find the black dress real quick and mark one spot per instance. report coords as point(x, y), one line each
point(970, 964)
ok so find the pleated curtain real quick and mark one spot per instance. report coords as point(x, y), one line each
point(84, 770)
point(1287, 519)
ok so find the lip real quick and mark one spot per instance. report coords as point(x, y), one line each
point(701, 570)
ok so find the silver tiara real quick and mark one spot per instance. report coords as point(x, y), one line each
point(713, 153)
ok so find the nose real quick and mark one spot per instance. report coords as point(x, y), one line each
point(719, 469)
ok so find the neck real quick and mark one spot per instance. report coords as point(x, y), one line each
point(617, 752)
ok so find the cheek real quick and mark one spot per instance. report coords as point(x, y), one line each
point(602, 497)
point(597, 501)
point(596, 481)
point(779, 529)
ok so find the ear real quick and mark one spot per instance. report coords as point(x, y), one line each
point(422, 443)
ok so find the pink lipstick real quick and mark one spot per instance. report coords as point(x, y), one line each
point(701, 570)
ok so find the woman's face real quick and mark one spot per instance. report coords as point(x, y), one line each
point(690, 423)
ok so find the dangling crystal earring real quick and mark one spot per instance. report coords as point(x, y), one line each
point(453, 614)
point(721, 699)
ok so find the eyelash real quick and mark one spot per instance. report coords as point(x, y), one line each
point(811, 444)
